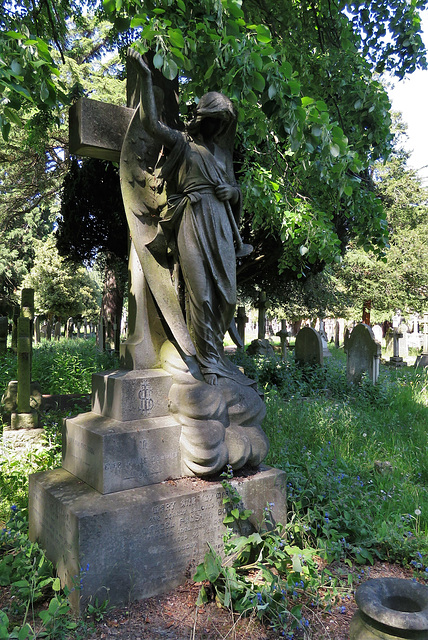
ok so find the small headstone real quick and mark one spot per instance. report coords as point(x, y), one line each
point(378, 333)
point(43, 330)
point(57, 330)
point(309, 347)
point(69, 328)
point(260, 348)
point(363, 354)
point(396, 360)
point(403, 344)
point(37, 330)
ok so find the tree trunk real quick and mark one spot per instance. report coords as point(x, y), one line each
point(112, 300)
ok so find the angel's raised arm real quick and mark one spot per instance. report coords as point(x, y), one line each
point(148, 110)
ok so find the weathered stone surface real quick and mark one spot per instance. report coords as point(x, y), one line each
point(113, 456)
point(309, 347)
point(92, 132)
point(363, 354)
point(140, 542)
point(24, 439)
point(390, 608)
point(131, 395)
point(24, 420)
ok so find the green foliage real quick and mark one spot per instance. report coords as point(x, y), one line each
point(355, 445)
point(271, 573)
point(303, 154)
point(399, 281)
point(62, 289)
point(355, 459)
point(25, 568)
point(65, 366)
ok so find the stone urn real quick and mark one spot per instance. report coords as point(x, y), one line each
point(390, 609)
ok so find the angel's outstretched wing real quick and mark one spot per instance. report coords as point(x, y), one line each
point(144, 198)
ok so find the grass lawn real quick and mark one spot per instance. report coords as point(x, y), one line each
point(356, 459)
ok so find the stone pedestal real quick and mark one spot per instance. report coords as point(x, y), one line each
point(137, 543)
point(118, 514)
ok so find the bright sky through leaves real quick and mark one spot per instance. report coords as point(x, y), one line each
point(410, 96)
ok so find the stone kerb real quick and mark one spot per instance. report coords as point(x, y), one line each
point(309, 347)
point(363, 354)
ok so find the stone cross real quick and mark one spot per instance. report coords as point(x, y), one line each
point(241, 321)
point(283, 335)
point(91, 134)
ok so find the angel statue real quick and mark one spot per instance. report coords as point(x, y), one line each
point(183, 205)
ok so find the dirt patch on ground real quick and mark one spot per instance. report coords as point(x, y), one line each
point(175, 616)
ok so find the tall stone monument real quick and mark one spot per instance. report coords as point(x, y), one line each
point(129, 502)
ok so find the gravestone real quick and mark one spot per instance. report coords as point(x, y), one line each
point(43, 330)
point(309, 347)
point(378, 333)
point(403, 341)
point(37, 330)
point(396, 360)
point(48, 330)
point(57, 330)
point(422, 359)
point(241, 321)
point(69, 328)
point(363, 354)
point(283, 335)
point(4, 327)
point(127, 502)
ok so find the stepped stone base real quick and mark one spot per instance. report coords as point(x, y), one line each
point(139, 542)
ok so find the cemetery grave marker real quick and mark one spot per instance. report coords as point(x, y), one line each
point(113, 505)
point(363, 354)
point(309, 348)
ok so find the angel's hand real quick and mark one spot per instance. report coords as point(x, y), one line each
point(225, 192)
point(137, 58)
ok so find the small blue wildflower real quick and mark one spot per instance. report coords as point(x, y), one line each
point(13, 507)
point(259, 597)
point(342, 609)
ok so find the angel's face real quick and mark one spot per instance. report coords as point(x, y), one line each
point(210, 127)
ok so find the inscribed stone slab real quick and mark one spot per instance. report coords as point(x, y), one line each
point(141, 542)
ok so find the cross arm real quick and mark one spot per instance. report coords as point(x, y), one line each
point(97, 129)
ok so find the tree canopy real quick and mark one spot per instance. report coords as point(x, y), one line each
point(303, 75)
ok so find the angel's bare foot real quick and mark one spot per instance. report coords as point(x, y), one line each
point(210, 378)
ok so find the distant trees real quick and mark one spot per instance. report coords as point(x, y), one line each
point(61, 288)
point(92, 225)
point(400, 279)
